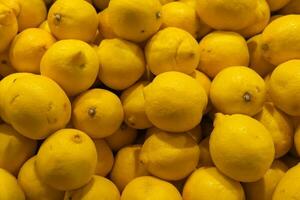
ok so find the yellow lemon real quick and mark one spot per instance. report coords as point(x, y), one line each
point(297, 140)
point(30, 110)
point(204, 81)
point(5, 65)
point(284, 87)
point(105, 27)
point(105, 158)
point(241, 147)
point(124, 136)
point(257, 60)
point(45, 26)
point(170, 156)
point(73, 64)
point(97, 112)
point(127, 166)
point(101, 4)
point(12, 4)
point(122, 63)
point(277, 4)
point(263, 189)
point(133, 102)
point(73, 20)
point(9, 188)
point(280, 39)
point(288, 187)
point(172, 49)
point(205, 157)
point(8, 26)
point(98, 188)
point(293, 7)
point(15, 149)
point(147, 187)
point(32, 13)
point(280, 127)
point(143, 18)
point(28, 48)
point(238, 89)
point(227, 14)
point(32, 185)
point(67, 159)
point(221, 49)
point(261, 20)
point(175, 102)
point(208, 183)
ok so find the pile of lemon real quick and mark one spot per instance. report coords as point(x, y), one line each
point(150, 100)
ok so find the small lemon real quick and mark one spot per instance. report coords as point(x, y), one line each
point(15, 149)
point(241, 147)
point(73, 20)
point(205, 157)
point(175, 102)
point(127, 166)
point(97, 112)
point(67, 159)
point(122, 63)
point(227, 14)
point(208, 183)
point(5, 65)
point(221, 49)
point(8, 26)
point(172, 49)
point(98, 188)
point(32, 13)
point(263, 189)
point(30, 110)
point(105, 158)
point(9, 188)
point(105, 27)
point(101, 4)
point(170, 156)
point(280, 40)
point(133, 102)
point(124, 136)
point(284, 87)
point(288, 187)
point(73, 64)
point(238, 89)
point(277, 4)
point(45, 26)
point(32, 185)
point(28, 48)
point(293, 7)
point(147, 187)
point(204, 81)
point(143, 18)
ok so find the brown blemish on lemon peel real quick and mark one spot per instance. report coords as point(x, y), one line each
point(92, 112)
point(77, 138)
point(247, 97)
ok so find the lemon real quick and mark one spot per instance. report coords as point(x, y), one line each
point(32, 185)
point(122, 63)
point(98, 188)
point(147, 187)
point(105, 27)
point(30, 110)
point(105, 158)
point(97, 112)
point(262, 17)
point(277, 4)
point(127, 166)
point(208, 183)
point(293, 7)
point(297, 140)
point(45, 26)
point(241, 147)
point(76, 20)
point(9, 188)
point(133, 102)
point(101, 4)
point(32, 13)
point(175, 102)
point(170, 156)
point(143, 18)
point(257, 60)
point(278, 38)
point(221, 49)
point(12, 4)
point(263, 189)
point(8, 26)
point(172, 49)
point(67, 159)
point(124, 136)
point(15, 149)
point(204, 81)
point(288, 187)
point(284, 89)
point(28, 48)
point(238, 89)
point(5, 65)
point(280, 127)
point(227, 14)
point(205, 157)
point(73, 64)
